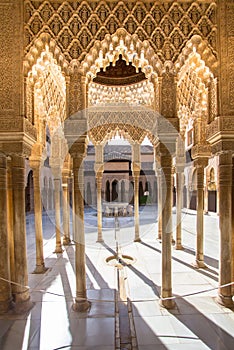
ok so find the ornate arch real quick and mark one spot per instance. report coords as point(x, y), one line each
point(196, 83)
point(45, 44)
point(101, 134)
point(45, 67)
point(134, 123)
point(197, 45)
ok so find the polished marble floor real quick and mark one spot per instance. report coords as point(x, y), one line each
point(197, 322)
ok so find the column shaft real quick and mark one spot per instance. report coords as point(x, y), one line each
point(66, 213)
point(159, 179)
point(58, 248)
point(5, 287)
point(73, 207)
point(206, 193)
point(81, 302)
point(21, 294)
point(179, 198)
point(136, 207)
point(99, 207)
point(166, 291)
point(225, 226)
point(10, 225)
point(233, 225)
point(40, 264)
point(200, 219)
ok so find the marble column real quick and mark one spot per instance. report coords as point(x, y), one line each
point(21, 293)
point(99, 168)
point(35, 164)
point(217, 201)
point(233, 225)
point(206, 194)
point(188, 195)
point(225, 227)
point(81, 303)
point(66, 212)
point(5, 286)
point(57, 187)
point(136, 168)
point(10, 222)
point(99, 205)
point(166, 184)
point(179, 200)
point(199, 262)
point(159, 180)
point(136, 175)
point(73, 207)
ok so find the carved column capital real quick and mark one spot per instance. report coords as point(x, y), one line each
point(56, 171)
point(99, 165)
point(201, 150)
point(35, 163)
point(99, 169)
point(18, 171)
point(224, 169)
point(78, 150)
point(201, 162)
point(136, 159)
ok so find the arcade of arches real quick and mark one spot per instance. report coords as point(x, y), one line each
point(74, 74)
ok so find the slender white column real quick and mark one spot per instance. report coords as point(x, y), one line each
point(179, 194)
point(66, 212)
point(199, 263)
point(166, 184)
point(10, 222)
point(99, 168)
point(21, 293)
point(206, 193)
point(40, 263)
point(136, 167)
point(232, 224)
point(99, 205)
point(136, 176)
point(180, 163)
point(57, 187)
point(81, 303)
point(73, 207)
point(159, 181)
point(225, 227)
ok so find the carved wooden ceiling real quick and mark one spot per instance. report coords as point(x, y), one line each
point(76, 25)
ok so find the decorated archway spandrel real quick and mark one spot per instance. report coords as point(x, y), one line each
point(172, 22)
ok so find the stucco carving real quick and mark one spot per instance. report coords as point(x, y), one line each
point(135, 94)
point(161, 23)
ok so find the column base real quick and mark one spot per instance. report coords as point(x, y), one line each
point(199, 264)
point(40, 269)
point(58, 250)
point(225, 301)
point(100, 240)
point(137, 240)
point(23, 306)
point(81, 305)
point(167, 303)
point(179, 247)
point(6, 306)
point(66, 241)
